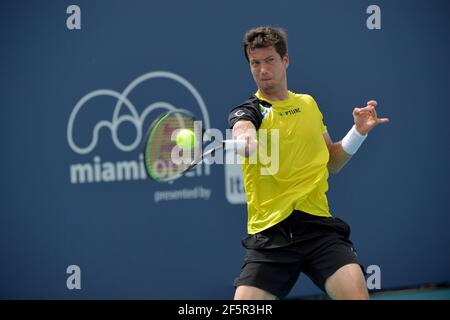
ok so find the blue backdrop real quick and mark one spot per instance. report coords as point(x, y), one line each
point(72, 191)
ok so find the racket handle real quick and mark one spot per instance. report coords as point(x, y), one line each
point(234, 144)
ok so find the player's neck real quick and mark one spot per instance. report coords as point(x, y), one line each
point(279, 95)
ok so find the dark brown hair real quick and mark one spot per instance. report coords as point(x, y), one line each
point(263, 37)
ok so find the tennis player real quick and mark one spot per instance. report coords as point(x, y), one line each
point(290, 228)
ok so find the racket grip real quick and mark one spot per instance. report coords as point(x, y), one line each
point(234, 144)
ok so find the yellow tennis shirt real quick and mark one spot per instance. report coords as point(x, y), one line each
point(299, 178)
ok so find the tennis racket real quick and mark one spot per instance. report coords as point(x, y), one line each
point(162, 154)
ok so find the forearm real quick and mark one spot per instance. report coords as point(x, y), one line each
point(245, 130)
point(338, 157)
point(244, 127)
point(343, 150)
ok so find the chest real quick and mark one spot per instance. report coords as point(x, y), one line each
point(293, 122)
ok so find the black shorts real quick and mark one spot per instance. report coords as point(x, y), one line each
point(316, 246)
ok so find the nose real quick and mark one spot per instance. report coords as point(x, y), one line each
point(264, 70)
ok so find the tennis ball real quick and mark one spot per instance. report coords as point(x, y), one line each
point(185, 139)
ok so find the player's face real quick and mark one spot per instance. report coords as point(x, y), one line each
point(268, 68)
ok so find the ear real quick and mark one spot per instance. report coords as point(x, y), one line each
point(286, 61)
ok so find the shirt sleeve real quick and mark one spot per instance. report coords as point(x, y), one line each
point(324, 127)
point(249, 110)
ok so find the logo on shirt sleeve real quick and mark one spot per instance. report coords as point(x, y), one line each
point(239, 113)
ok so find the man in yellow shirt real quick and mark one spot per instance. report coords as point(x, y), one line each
point(289, 224)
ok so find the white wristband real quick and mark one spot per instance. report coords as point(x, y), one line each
point(352, 141)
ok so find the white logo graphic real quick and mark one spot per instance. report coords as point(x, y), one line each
point(100, 170)
point(239, 113)
point(132, 115)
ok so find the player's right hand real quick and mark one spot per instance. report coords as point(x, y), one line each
point(251, 144)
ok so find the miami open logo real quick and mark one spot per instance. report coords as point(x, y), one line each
point(124, 113)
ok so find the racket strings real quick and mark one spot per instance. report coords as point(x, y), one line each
point(163, 157)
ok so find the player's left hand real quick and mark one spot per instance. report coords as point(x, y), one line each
point(366, 118)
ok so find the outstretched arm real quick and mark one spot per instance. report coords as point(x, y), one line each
point(340, 152)
point(245, 130)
